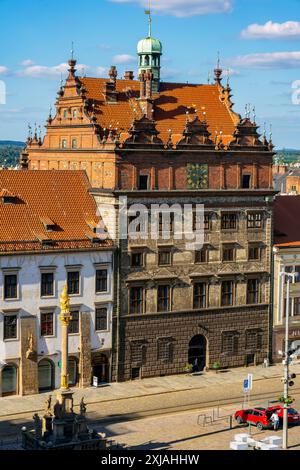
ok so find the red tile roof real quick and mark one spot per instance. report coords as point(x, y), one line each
point(170, 105)
point(60, 196)
point(287, 221)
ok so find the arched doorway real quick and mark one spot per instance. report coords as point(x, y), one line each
point(46, 370)
point(197, 352)
point(100, 366)
point(73, 371)
point(9, 380)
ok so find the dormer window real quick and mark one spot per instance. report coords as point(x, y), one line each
point(9, 200)
point(49, 225)
point(8, 197)
point(64, 143)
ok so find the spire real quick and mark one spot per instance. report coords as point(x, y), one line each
point(218, 71)
point(72, 63)
point(149, 52)
point(148, 13)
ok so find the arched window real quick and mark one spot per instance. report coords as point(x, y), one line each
point(65, 114)
point(75, 113)
point(147, 60)
point(9, 380)
point(73, 371)
point(64, 143)
point(46, 375)
point(74, 143)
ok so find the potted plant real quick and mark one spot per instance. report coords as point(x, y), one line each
point(216, 366)
point(188, 368)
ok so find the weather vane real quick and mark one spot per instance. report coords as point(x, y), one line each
point(148, 13)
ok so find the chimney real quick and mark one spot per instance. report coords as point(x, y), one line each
point(111, 95)
point(128, 75)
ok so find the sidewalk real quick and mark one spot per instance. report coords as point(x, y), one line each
point(147, 387)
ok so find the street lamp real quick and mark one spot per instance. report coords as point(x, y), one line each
point(290, 276)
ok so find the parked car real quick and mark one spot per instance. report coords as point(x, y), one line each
point(259, 417)
point(293, 415)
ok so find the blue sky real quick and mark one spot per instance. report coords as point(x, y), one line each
point(258, 40)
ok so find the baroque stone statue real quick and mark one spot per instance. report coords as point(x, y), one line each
point(82, 407)
point(48, 405)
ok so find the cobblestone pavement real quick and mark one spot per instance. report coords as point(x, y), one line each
point(182, 432)
point(146, 387)
point(120, 410)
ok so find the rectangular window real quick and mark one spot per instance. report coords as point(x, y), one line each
point(254, 220)
point(137, 259)
point(138, 353)
point(253, 291)
point(47, 284)
point(253, 339)
point(228, 253)
point(166, 223)
point(74, 323)
point(73, 282)
point(46, 324)
point(198, 220)
point(164, 257)
point(296, 306)
point(254, 253)
point(101, 319)
point(164, 349)
point(136, 300)
point(10, 327)
point(230, 342)
point(200, 295)
point(101, 280)
point(144, 182)
point(229, 222)
point(10, 286)
point(202, 256)
point(227, 293)
point(163, 298)
point(246, 181)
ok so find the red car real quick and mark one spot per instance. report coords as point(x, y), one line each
point(293, 415)
point(261, 417)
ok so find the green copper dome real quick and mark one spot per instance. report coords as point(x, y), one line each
point(149, 46)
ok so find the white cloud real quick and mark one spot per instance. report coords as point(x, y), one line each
point(268, 60)
point(124, 59)
point(27, 62)
point(3, 70)
point(270, 30)
point(185, 8)
point(230, 73)
point(42, 71)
